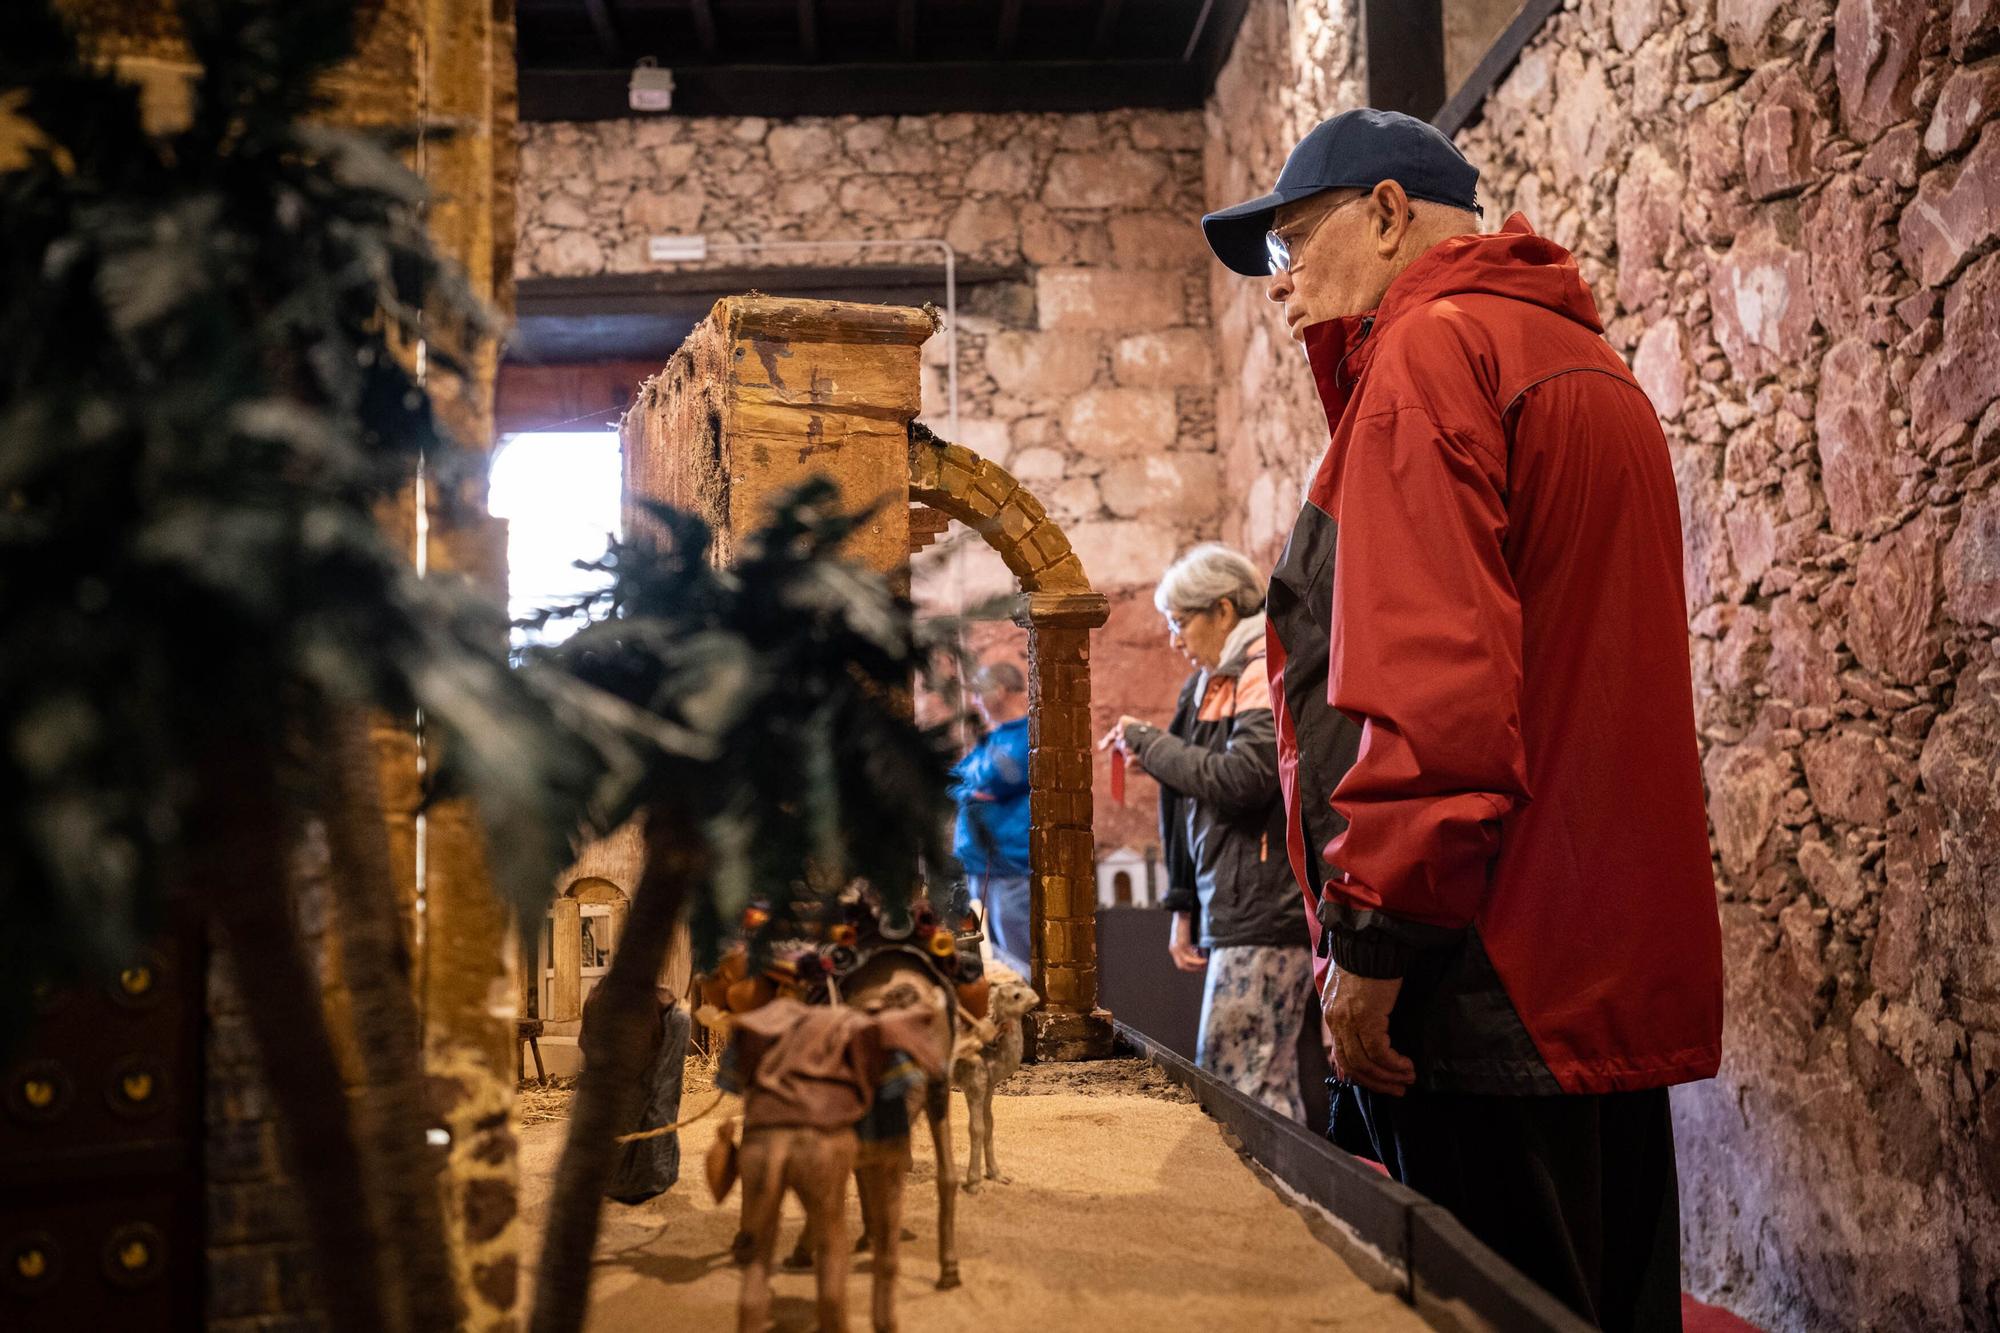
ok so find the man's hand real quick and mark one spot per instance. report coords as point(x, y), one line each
point(1357, 1015)
point(1180, 944)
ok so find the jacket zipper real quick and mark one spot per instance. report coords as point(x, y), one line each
point(1367, 326)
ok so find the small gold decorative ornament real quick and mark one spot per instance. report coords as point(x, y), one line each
point(136, 1087)
point(138, 984)
point(33, 1263)
point(134, 1254)
point(37, 1092)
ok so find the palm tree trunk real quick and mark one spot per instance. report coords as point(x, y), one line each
point(402, 1169)
point(624, 1011)
point(239, 855)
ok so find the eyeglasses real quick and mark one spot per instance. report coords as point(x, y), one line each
point(1278, 248)
point(1178, 624)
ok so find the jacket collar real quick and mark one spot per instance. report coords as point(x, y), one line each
point(1245, 641)
point(1244, 645)
point(1513, 262)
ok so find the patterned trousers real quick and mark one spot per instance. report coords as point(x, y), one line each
point(1251, 1008)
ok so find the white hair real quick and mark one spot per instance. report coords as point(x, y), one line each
point(1204, 576)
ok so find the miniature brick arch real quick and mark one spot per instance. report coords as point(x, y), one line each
point(1058, 608)
point(594, 889)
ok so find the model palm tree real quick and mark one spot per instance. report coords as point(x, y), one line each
point(206, 391)
point(794, 768)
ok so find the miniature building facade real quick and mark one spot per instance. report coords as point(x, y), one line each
point(767, 392)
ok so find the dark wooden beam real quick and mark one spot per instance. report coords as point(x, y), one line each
point(645, 315)
point(906, 28)
point(1212, 37)
point(880, 89)
point(1200, 26)
point(704, 27)
point(1010, 27)
point(1107, 23)
point(1404, 53)
point(1466, 104)
point(606, 28)
point(809, 30)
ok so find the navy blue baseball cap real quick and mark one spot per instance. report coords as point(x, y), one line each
point(1355, 150)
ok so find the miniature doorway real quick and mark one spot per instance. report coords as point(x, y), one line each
point(579, 935)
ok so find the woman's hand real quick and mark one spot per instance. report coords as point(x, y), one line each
point(1115, 738)
point(1180, 944)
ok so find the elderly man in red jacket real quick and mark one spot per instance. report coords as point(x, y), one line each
point(1486, 728)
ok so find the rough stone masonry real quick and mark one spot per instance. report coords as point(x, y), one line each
point(1087, 371)
point(1788, 211)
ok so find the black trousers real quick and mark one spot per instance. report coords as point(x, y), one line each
point(1579, 1193)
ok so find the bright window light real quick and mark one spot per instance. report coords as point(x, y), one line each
point(559, 492)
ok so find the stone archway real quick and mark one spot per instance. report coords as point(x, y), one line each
point(1058, 608)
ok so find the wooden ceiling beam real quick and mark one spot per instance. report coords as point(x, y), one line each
point(704, 27)
point(886, 88)
point(809, 29)
point(1405, 45)
point(1010, 27)
point(1107, 24)
point(606, 28)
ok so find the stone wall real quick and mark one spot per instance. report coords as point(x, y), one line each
point(1086, 369)
point(1788, 211)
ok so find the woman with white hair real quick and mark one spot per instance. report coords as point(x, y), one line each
point(1222, 827)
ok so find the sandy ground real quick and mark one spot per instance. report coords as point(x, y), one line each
point(1125, 1209)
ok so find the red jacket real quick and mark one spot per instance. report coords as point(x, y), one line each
point(1480, 674)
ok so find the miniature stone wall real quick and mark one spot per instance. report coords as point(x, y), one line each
point(1788, 212)
point(1087, 372)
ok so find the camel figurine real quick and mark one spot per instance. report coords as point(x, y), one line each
point(824, 1091)
point(901, 980)
point(979, 1066)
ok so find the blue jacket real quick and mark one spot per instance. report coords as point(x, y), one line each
point(992, 796)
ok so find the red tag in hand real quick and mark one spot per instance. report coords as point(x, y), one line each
point(1118, 776)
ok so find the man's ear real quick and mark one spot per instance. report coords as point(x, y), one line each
point(1392, 215)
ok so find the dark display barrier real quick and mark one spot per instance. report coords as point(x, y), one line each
point(1147, 993)
point(1393, 1234)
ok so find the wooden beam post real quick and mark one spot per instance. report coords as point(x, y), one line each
point(566, 958)
point(1403, 45)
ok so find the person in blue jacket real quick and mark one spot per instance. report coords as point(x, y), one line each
point(992, 795)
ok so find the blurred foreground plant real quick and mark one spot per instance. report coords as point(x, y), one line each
point(792, 668)
point(207, 394)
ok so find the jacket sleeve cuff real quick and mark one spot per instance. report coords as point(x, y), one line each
point(1372, 943)
point(1370, 953)
point(1139, 737)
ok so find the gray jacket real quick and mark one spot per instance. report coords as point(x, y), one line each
point(1222, 821)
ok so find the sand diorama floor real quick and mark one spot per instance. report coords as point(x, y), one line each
point(1126, 1209)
